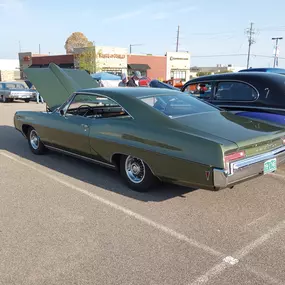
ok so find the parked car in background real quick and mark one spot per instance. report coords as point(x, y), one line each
point(148, 134)
point(174, 82)
point(257, 95)
point(144, 81)
point(158, 84)
point(265, 69)
point(10, 91)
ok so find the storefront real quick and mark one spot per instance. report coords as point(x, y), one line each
point(178, 65)
point(152, 66)
point(112, 59)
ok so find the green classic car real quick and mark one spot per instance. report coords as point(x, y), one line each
point(148, 134)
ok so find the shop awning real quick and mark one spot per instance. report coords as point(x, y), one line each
point(137, 66)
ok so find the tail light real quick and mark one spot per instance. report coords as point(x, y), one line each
point(231, 158)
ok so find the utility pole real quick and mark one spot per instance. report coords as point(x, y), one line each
point(250, 32)
point(276, 50)
point(177, 39)
point(39, 48)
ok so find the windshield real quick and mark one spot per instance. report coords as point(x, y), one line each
point(178, 105)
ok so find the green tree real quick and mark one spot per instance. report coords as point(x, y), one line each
point(87, 58)
point(203, 73)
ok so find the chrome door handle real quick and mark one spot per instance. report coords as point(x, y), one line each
point(84, 126)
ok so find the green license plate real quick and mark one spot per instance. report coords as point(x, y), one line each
point(270, 166)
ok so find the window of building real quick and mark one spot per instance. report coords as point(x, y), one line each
point(235, 91)
point(180, 74)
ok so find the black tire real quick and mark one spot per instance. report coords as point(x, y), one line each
point(27, 100)
point(36, 146)
point(144, 183)
point(5, 100)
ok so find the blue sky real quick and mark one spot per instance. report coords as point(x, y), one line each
point(207, 27)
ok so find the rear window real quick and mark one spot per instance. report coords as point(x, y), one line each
point(178, 105)
point(15, 86)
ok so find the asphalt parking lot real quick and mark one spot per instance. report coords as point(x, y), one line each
point(65, 221)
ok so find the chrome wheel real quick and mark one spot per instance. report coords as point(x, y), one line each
point(34, 140)
point(135, 169)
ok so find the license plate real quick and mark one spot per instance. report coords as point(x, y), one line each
point(270, 166)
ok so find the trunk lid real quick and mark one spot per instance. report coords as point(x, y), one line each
point(252, 136)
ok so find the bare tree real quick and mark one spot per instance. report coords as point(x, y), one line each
point(76, 40)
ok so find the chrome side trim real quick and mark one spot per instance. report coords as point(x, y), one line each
point(80, 156)
point(250, 107)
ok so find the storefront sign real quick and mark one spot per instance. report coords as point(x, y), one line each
point(177, 58)
point(26, 58)
point(118, 56)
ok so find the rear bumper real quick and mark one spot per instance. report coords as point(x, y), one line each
point(246, 169)
point(19, 96)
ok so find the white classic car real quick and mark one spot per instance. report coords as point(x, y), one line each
point(16, 90)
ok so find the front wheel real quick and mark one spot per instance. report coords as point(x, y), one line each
point(27, 100)
point(36, 146)
point(136, 173)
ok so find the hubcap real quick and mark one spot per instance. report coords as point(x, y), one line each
point(135, 169)
point(34, 139)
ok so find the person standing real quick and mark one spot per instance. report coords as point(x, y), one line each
point(134, 80)
point(123, 83)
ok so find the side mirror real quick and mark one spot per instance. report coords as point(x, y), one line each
point(61, 112)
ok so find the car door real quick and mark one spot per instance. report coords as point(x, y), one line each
point(1, 89)
point(70, 130)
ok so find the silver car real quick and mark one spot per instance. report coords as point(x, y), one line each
point(15, 90)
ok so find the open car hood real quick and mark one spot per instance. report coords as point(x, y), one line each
point(55, 85)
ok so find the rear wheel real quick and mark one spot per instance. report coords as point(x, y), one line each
point(36, 146)
point(27, 100)
point(136, 173)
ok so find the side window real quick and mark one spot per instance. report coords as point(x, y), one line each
point(235, 91)
point(202, 90)
point(95, 106)
point(10, 85)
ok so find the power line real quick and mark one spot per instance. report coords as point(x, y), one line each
point(250, 32)
point(235, 54)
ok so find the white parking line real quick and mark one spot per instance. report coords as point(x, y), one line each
point(126, 211)
point(220, 267)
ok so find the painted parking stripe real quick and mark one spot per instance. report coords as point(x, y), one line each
point(126, 211)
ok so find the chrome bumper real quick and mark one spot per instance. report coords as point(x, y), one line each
point(246, 168)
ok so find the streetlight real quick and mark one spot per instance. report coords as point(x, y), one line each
point(133, 45)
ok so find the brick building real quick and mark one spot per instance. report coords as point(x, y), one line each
point(149, 65)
